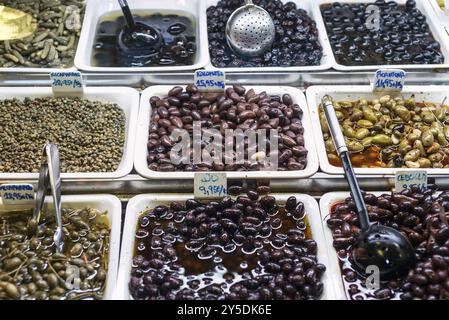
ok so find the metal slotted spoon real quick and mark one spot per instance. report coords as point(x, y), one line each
point(250, 30)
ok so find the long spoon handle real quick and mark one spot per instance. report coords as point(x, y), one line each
point(127, 13)
point(55, 185)
point(342, 150)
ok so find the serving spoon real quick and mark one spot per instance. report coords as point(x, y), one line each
point(250, 30)
point(137, 36)
point(377, 245)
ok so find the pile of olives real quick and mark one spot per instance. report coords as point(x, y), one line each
point(381, 32)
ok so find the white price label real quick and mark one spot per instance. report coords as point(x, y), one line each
point(17, 194)
point(66, 82)
point(389, 80)
point(407, 179)
point(210, 81)
point(210, 185)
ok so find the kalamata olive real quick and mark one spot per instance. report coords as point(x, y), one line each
point(290, 204)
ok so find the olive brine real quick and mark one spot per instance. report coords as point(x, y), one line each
point(178, 31)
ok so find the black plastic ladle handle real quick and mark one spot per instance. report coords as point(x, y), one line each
point(342, 150)
point(127, 13)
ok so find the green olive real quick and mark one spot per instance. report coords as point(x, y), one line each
point(382, 140)
point(412, 155)
point(440, 113)
point(434, 148)
point(349, 132)
point(436, 157)
point(362, 133)
point(446, 131)
point(369, 115)
point(355, 146)
point(365, 124)
point(330, 146)
point(412, 164)
point(427, 116)
point(412, 137)
point(442, 139)
point(356, 115)
point(403, 113)
point(419, 145)
point(427, 138)
point(424, 163)
point(410, 103)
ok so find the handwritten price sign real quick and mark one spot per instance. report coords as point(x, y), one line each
point(63, 82)
point(210, 81)
point(407, 179)
point(17, 194)
point(389, 80)
point(210, 185)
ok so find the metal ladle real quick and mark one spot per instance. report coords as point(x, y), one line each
point(377, 245)
point(250, 30)
point(50, 175)
point(137, 37)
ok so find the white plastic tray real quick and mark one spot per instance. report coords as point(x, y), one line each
point(142, 202)
point(95, 9)
point(126, 98)
point(113, 206)
point(140, 158)
point(44, 70)
point(327, 61)
point(435, 26)
point(316, 93)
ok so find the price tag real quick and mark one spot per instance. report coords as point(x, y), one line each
point(67, 82)
point(210, 81)
point(210, 185)
point(17, 194)
point(407, 179)
point(389, 80)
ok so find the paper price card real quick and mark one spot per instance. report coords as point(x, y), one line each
point(210, 185)
point(17, 194)
point(389, 80)
point(407, 179)
point(67, 82)
point(210, 81)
